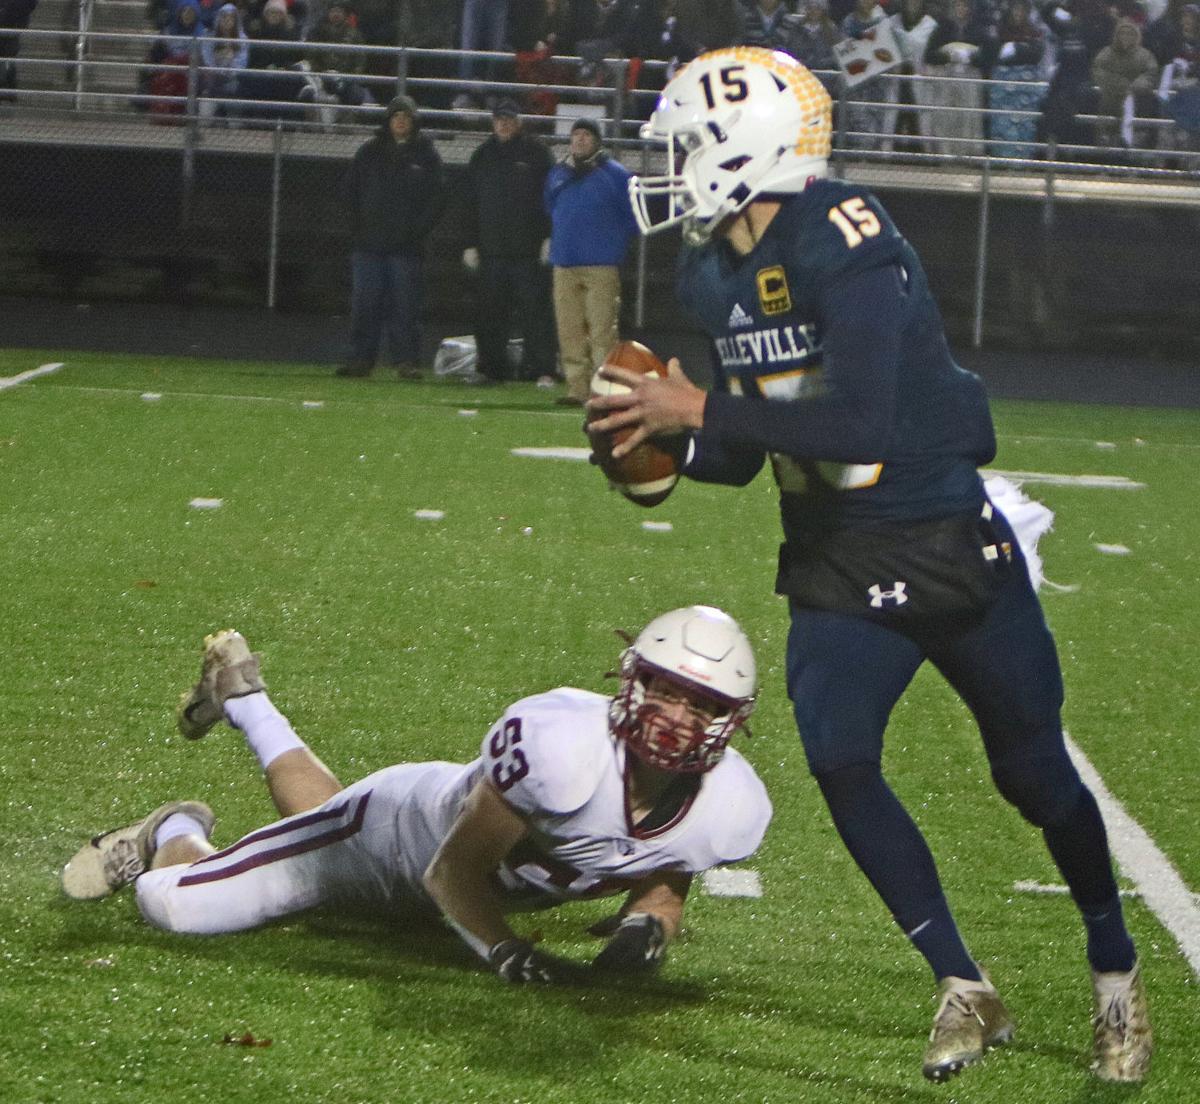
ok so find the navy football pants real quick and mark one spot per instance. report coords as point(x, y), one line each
point(845, 673)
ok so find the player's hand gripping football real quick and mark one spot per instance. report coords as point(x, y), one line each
point(521, 963)
point(651, 405)
point(639, 946)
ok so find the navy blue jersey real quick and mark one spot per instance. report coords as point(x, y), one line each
point(831, 359)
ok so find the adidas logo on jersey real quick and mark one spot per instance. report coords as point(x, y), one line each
point(738, 317)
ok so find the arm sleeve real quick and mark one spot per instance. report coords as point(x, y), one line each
point(852, 419)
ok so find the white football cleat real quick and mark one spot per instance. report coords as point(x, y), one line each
point(229, 670)
point(114, 858)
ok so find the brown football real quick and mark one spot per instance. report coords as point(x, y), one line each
point(649, 473)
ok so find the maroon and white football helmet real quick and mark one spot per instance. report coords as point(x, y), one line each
point(699, 650)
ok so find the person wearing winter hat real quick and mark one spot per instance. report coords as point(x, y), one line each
point(507, 246)
point(394, 193)
point(587, 197)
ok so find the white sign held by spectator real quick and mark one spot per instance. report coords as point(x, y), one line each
point(861, 59)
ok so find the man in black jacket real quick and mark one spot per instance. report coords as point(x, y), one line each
point(395, 195)
point(508, 247)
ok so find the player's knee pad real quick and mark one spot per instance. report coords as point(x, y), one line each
point(1045, 788)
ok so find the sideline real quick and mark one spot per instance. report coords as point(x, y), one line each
point(24, 377)
point(1144, 864)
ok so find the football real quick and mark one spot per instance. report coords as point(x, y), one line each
point(649, 473)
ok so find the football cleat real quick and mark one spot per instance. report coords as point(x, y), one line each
point(229, 670)
point(113, 859)
point(970, 1020)
point(1121, 1036)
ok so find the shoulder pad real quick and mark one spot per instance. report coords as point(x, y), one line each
point(845, 229)
point(548, 753)
point(745, 809)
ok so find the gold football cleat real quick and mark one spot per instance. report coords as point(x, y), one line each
point(970, 1020)
point(1122, 1040)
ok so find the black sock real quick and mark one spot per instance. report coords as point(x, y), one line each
point(888, 846)
point(1109, 946)
point(1079, 847)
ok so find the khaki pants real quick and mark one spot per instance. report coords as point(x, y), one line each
point(587, 305)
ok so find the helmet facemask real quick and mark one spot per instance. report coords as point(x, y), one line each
point(691, 746)
point(700, 657)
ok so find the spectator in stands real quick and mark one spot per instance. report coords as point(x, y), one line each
point(537, 30)
point(953, 51)
point(1127, 75)
point(484, 27)
point(764, 23)
point(547, 27)
point(870, 112)
point(812, 35)
point(587, 198)
point(380, 22)
point(395, 194)
point(1080, 29)
point(274, 51)
point(913, 27)
point(14, 16)
point(332, 73)
point(165, 76)
point(425, 25)
point(1162, 37)
point(706, 24)
point(508, 247)
point(1180, 85)
point(1015, 54)
point(223, 55)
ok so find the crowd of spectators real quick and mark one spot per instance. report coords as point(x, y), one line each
point(1032, 68)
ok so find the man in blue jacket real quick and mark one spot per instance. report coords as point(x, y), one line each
point(587, 198)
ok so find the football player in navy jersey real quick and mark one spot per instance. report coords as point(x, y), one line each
point(574, 795)
point(831, 362)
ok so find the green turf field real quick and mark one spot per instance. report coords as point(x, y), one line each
point(389, 638)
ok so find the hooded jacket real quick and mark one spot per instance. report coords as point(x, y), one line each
point(394, 192)
point(1125, 66)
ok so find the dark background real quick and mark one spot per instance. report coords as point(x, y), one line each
point(102, 249)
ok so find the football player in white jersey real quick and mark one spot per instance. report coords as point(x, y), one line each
point(574, 795)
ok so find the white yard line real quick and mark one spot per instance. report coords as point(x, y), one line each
point(1101, 482)
point(24, 377)
point(1145, 865)
point(1139, 443)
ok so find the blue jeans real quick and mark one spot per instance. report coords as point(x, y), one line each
point(386, 296)
point(484, 27)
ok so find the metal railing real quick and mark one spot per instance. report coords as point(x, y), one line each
point(330, 125)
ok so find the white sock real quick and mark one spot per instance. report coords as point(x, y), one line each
point(267, 731)
point(178, 824)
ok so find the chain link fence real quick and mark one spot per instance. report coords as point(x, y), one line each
point(172, 180)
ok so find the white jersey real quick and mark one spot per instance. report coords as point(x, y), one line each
point(552, 758)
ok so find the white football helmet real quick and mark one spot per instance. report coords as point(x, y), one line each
point(737, 123)
point(700, 650)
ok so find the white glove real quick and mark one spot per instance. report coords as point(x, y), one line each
point(470, 259)
point(544, 253)
point(1008, 50)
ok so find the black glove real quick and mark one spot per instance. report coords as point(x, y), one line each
point(520, 962)
point(639, 946)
